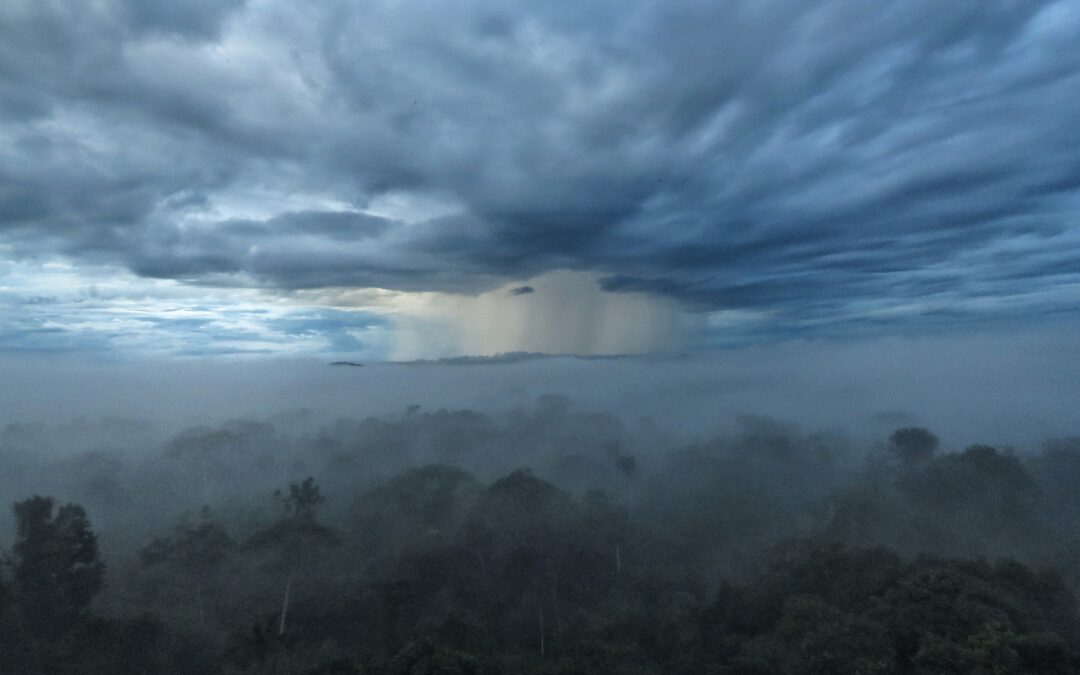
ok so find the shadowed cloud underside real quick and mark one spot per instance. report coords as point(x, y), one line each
point(747, 170)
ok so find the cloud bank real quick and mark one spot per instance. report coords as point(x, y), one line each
point(802, 167)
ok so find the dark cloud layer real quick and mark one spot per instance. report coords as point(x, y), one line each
point(828, 162)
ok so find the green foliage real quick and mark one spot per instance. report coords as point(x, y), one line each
point(991, 650)
point(744, 554)
point(826, 608)
point(815, 638)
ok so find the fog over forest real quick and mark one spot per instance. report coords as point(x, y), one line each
point(550, 514)
point(629, 337)
point(1014, 387)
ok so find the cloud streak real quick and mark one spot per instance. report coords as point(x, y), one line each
point(820, 166)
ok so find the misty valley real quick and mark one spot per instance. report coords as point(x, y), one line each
point(544, 538)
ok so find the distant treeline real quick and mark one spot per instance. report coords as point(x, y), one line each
point(424, 543)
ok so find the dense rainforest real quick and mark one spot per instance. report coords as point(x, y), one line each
point(546, 539)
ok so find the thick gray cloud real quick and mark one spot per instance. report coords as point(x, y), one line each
point(828, 163)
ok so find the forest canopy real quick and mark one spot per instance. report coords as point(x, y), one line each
point(547, 539)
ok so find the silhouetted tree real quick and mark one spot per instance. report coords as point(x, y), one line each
point(6, 614)
point(296, 538)
point(913, 444)
point(302, 499)
point(56, 567)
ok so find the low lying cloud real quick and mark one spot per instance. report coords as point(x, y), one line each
point(1014, 387)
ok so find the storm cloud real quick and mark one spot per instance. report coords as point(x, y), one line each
point(817, 166)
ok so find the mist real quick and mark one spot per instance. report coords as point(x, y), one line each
point(485, 338)
point(1012, 387)
point(717, 475)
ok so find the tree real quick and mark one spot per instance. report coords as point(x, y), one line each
point(815, 637)
point(826, 608)
point(56, 567)
point(913, 444)
point(5, 604)
point(302, 499)
point(296, 538)
point(424, 658)
point(193, 550)
point(419, 506)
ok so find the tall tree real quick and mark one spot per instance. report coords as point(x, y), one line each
point(56, 567)
point(296, 538)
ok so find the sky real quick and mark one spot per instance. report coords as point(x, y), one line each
point(392, 180)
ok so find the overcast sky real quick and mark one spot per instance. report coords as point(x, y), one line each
point(379, 179)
